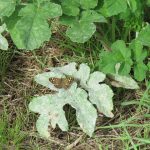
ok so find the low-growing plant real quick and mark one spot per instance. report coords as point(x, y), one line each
point(129, 57)
point(120, 23)
point(78, 88)
point(27, 21)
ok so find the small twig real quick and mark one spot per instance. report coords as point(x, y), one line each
point(50, 139)
point(74, 143)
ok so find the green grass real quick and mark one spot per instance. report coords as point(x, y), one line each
point(10, 134)
point(128, 130)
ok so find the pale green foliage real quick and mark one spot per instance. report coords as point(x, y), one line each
point(119, 54)
point(3, 40)
point(111, 7)
point(72, 9)
point(50, 107)
point(126, 57)
point(123, 81)
point(92, 16)
point(81, 26)
point(32, 29)
point(7, 7)
point(88, 4)
point(81, 31)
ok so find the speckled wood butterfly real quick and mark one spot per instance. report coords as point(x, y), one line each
point(62, 82)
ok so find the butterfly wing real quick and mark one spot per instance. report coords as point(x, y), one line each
point(67, 82)
point(62, 82)
point(57, 82)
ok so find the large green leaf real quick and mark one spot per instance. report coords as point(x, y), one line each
point(81, 31)
point(88, 4)
point(67, 20)
point(144, 36)
point(111, 7)
point(92, 16)
point(32, 29)
point(7, 7)
point(120, 54)
point(70, 7)
point(123, 56)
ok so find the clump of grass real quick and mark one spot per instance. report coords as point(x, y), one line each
point(5, 58)
point(129, 129)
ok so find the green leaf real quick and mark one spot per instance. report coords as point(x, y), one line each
point(7, 7)
point(88, 4)
point(138, 52)
point(148, 65)
point(144, 36)
point(111, 7)
point(133, 5)
point(140, 70)
point(107, 62)
point(70, 7)
point(120, 54)
point(32, 29)
point(92, 16)
point(67, 20)
point(81, 31)
point(148, 3)
point(139, 56)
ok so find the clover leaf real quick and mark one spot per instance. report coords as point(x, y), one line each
point(119, 54)
point(139, 55)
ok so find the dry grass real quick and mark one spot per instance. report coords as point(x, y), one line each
point(19, 131)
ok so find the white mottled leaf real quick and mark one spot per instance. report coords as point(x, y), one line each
point(85, 91)
point(100, 94)
point(50, 108)
point(3, 43)
point(123, 81)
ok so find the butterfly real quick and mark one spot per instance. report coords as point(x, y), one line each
point(62, 82)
